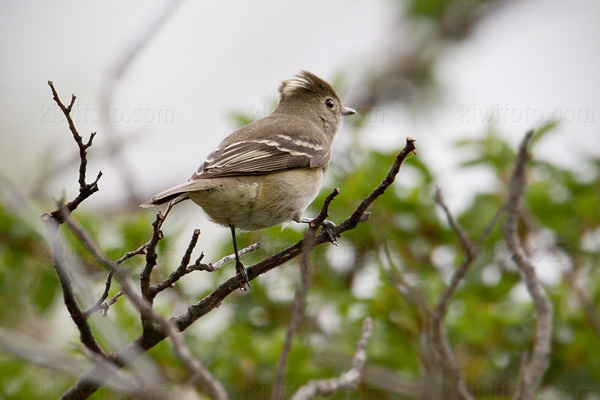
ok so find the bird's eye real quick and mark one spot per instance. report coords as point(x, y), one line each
point(329, 103)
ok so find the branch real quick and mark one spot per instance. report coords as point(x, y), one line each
point(151, 259)
point(56, 218)
point(209, 382)
point(534, 370)
point(349, 380)
point(299, 306)
point(77, 315)
point(89, 383)
point(85, 189)
point(197, 266)
point(180, 271)
point(100, 305)
point(357, 216)
point(471, 251)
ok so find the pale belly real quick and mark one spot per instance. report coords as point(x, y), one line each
point(247, 205)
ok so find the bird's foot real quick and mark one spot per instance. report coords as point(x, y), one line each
point(327, 226)
point(240, 269)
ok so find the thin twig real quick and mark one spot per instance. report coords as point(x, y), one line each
point(465, 242)
point(534, 370)
point(151, 260)
point(77, 314)
point(100, 304)
point(179, 272)
point(85, 189)
point(357, 216)
point(130, 254)
point(198, 266)
point(349, 380)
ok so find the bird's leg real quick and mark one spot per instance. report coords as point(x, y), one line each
point(240, 269)
point(327, 226)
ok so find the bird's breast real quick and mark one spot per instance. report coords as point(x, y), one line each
point(257, 202)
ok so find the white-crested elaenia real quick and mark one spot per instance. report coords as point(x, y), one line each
point(269, 171)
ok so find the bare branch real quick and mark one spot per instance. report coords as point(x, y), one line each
point(100, 303)
point(534, 370)
point(151, 260)
point(465, 242)
point(324, 213)
point(77, 315)
point(130, 254)
point(179, 272)
point(85, 189)
point(209, 382)
point(299, 307)
point(349, 380)
point(56, 218)
point(217, 266)
point(357, 216)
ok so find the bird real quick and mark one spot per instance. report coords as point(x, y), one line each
point(267, 172)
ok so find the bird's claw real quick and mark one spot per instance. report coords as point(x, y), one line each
point(240, 269)
point(328, 227)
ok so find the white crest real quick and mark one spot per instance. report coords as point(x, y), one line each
point(291, 85)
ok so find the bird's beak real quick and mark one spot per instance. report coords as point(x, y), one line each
point(348, 111)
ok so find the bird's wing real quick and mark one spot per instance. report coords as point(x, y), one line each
point(262, 156)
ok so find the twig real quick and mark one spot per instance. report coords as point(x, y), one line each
point(324, 213)
point(357, 216)
point(77, 315)
point(179, 272)
point(465, 242)
point(209, 382)
point(198, 266)
point(54, 219)
point(151, 260)
point(349, 380)
point(534, 370)
point(472, 251)
point(299, 306)
point(100, 305)
point(130, 254)
point(89, 383)
point(85, 189)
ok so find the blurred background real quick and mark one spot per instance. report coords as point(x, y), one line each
point(163, 82)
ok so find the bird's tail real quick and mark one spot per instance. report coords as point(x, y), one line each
point(157, 201)
point(177, 193)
